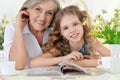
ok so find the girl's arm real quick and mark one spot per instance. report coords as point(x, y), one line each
point(48, 59)
point(101, 49)
point(88, 62)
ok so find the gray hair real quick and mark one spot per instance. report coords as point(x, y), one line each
point(31, 3)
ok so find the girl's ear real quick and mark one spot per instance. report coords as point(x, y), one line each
point(61, 34)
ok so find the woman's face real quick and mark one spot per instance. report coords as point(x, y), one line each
point(41, 15)
point(71, 28)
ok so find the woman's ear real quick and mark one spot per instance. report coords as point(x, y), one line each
point(28, 10)
point(23, 9)
point(26, 14)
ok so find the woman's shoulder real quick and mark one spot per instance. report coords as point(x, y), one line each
point(11, 25)
point(49, 29)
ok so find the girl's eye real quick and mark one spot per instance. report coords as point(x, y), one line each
point(75, 24)
point(65, 28)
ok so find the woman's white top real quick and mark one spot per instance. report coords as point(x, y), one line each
point(31, 43)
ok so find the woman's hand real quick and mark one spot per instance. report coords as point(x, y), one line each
point(22, 19)
point(74, 55)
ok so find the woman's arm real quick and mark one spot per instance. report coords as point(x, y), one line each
point(46, 59)
point(18, 52)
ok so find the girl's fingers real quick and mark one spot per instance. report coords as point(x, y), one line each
point(79, 56)
point(75, 55)
point(74, 58)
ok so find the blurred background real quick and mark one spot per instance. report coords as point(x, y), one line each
point(9, 9)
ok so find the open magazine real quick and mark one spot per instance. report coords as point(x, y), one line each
point(70, 68)
point(64, 68)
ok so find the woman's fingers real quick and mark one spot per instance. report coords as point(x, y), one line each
point(21, 19)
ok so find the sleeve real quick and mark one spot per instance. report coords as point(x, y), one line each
point(8, 39)
point(46, 34)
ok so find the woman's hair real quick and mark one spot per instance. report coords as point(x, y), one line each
point(30, 3)
point(56, 40)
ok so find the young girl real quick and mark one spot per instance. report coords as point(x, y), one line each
point(70, 40)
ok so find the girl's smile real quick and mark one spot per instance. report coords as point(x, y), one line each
point(75, 35)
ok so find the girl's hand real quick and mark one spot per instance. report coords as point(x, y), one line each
point(22, 19)
point(74, 55)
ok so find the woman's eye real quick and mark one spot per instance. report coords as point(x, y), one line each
point(50, 13)
point(37, 9)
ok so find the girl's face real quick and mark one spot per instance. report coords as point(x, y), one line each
point(71, 28)
point(41, 15)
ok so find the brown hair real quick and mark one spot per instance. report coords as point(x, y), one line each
point(57, 42)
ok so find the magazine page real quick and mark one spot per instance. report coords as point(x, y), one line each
point(68, 67)
point(44, 71)
point(64, 68)
point(74, 69)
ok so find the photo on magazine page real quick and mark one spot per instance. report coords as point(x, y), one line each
point(70, 68)
point(44, 71)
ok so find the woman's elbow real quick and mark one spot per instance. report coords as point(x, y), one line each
point(19, 67)
point(33, 64)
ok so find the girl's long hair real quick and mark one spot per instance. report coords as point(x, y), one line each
point(57, 42)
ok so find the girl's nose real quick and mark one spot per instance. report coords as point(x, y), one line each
point(72, 29)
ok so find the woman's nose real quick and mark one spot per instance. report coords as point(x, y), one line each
point(42, 16)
